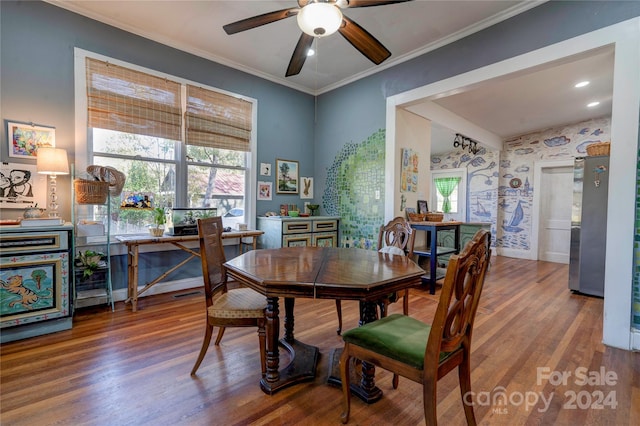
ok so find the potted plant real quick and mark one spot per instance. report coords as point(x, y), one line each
point(89, 260)
point(159, 219)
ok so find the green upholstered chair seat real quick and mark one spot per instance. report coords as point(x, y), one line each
point(397, 336)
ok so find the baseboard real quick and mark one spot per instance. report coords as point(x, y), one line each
point(163, 287)
point(635, 340)
point(515, 253)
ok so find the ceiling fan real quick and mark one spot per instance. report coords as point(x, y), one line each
point(320, 18)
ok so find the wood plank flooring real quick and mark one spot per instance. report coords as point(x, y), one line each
point(127, 368)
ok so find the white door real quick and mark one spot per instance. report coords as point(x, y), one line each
point(556, 195)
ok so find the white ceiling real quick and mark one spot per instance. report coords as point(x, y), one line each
point(406, 29)
point(510, 107)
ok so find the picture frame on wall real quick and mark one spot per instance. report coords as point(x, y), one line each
point(21, 186)
point(25, 138)
point(306, 190)
point(287, 181)
point(264, 190)
point(423, 207)
point(265, 169)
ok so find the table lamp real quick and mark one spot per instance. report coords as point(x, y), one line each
point(52, 162)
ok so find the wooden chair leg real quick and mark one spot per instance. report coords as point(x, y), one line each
point(339, 311)
point(430, 402)
point(464, 376)
point(405, 310)
point(203, 350)
point(345, 374)
point(220, 334)
point(405, 302)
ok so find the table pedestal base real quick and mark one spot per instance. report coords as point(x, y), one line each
point(302, 367)
point(367, 395)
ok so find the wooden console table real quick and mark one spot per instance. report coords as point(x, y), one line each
point(133, 243)
point(432, 250)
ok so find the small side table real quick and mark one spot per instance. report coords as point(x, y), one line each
point(433, 251)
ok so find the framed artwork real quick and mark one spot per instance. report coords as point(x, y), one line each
point(25, 139)
point(264, 190)
point(287, 181)
point(423, 207)
point(410, 210)
point(265, 169)
point(21, 186)
point(306, 190)
point(409, 171)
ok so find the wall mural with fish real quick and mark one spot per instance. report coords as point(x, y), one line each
point(500, 184)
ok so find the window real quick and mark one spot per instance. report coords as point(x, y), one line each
point(448, 192)
point(187, 144)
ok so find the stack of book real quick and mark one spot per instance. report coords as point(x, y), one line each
point(42, 221)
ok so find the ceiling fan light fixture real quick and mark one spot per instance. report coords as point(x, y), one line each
point(319, 19)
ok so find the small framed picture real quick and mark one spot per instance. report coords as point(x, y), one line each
point(21, 186)
point(287, 181)
point(265, 169)
point(423, 207)
point(264, 190)
point(410, 210)
point(25, 139)
point(306, 190)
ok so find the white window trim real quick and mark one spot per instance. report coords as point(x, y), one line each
point(82, 153)
point(462, 190)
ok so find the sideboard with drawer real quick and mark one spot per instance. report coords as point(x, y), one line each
point(285, 231)
point(36, 285)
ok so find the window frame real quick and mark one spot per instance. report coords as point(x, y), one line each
point(84, 144)
point(461, 215)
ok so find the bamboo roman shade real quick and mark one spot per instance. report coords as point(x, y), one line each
point(131, 101)
point(217, 120)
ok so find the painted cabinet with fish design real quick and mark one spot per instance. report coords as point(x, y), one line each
point(35, 281)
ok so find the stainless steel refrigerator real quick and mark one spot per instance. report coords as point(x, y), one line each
point(589, 225)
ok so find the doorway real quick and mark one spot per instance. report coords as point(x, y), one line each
point(617, 327)
point(552, 207)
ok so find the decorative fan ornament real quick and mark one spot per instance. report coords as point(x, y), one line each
point(321, 18)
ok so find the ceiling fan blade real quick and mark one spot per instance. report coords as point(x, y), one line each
point(363, 41)
point(299, 54)
point(257, 21)
point(368, 3)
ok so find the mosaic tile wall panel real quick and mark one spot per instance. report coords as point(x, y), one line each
point(636, 255)
point(509, 209)
point(356, 173)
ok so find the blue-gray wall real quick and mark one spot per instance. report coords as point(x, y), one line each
point(37, 82)
point(354, 112)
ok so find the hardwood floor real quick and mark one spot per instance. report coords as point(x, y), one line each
point(127, 368)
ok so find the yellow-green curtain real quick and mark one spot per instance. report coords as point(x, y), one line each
point(445, 187)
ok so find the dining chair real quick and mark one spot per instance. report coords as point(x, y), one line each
point(396, 237)
point(421, 352)
point(226, 307)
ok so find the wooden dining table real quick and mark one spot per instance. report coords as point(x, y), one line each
point(319, 273)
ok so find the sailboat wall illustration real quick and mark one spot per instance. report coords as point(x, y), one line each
point(480, 210)
point(516, 218)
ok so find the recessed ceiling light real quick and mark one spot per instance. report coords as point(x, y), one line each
point(582, 84)
point(592, 104)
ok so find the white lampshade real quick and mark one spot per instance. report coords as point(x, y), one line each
point(319, 19)
point(52, 161)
